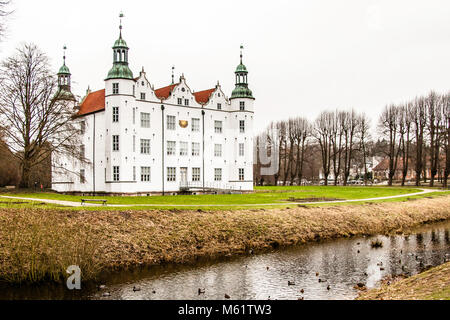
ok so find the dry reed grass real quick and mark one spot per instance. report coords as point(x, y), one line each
point(433, 284)
point(39, 244)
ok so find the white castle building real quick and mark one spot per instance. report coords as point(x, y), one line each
point(140, 140)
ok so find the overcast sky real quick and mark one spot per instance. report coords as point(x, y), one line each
point(302, 56)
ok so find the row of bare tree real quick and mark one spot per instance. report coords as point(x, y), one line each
point(417, 133)
point(334, 140)
point(412, 135)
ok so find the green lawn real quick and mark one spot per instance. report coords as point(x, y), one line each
point(230, 202)
point(263, 195)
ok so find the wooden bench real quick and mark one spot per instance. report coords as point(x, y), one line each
point(94, 200)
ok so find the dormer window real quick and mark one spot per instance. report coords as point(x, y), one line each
point(242, 106)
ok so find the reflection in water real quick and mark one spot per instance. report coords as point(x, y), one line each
point(340, 264)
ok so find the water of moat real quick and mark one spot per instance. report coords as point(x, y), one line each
point(341, 264)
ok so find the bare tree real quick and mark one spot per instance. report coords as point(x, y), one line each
point(336, 142)
point(300, 129)
point(388, 125)
point(445, 136)
point(404, 128)
point(289, 152)
point(281, 137)
point(4, 12)
point(418, 114)
point(433, 102)
point(36, 113)
point(349, 127)
point(364, 137)
point(323, 133)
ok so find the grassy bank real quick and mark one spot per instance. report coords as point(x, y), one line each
point(433, 284)
point(39, 244)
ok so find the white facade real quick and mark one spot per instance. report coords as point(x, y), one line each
point(168, 138)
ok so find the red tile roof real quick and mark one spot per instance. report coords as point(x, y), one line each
point(384, 164)
point(94, 102)
point(202, 97)
point(164, 93)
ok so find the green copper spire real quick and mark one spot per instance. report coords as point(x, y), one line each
point(241, 90)
point(64, 69)
point(64, 76)
point(120, 69)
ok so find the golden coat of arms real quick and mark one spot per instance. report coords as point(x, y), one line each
point(184, 123)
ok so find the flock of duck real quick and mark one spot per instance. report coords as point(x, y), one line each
point(201, 291)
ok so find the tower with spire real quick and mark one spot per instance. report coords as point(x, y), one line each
point(120, 69)
point(242, 97)
point(64, 80)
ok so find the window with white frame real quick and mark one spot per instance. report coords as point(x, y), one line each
point(183, 148)
point(134, 143)
point(195, 174)
point(242, 126)
point(171, 123)
point(217, 150)
point(218, 174)
point(241, 174)
point(116, 173)
point(242, 105)
point(145, 146)
point(171, 148)
point(134, 115)
point(142, 96)
point(241, 149)
point(218, 126)
point(195, 125)
point(195, 149)
point(115, 88)
point(145, 120)
point(219, 106)
point(82, 176)
point(186, 102)
point(115, 143)
point(180, 101)
point(145, 174)
point(115, 114)
point(134, 173)
point(171, 174)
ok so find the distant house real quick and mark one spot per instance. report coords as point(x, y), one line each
point(381, 171)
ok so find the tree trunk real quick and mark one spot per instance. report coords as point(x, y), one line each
point(25, 177)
